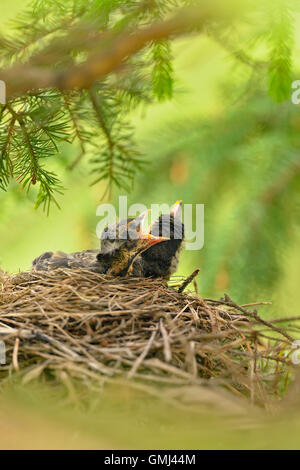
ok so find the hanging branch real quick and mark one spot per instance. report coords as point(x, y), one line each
point(77, 131)
point(5, 157)
point(20, 79)
point(76, 68)
point(110, 143)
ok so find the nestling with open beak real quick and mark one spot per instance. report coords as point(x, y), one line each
point(162, 259)
point(127, 250)
point(121, 244)
point(124, 260)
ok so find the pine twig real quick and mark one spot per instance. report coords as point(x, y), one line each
point(77, 133)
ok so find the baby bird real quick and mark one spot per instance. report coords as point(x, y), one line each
point(123, 261)
point(121, 243)
point(127, 250)
point(86, 259)
point(162, 260)
point(110, 240)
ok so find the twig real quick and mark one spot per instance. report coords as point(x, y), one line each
point(167, 349)
point(188, 280)
point(254, 315)
point(15, 355)
point(140, 359)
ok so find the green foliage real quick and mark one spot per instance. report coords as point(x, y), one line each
point(27, 138)
point(162, 74)
point(281, 43)
point(33, 125)
point(118, 158)
point(244, 166)
point(60, 35)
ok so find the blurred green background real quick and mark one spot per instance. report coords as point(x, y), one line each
point(223, 142)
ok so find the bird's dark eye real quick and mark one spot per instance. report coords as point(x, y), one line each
point(105, 257)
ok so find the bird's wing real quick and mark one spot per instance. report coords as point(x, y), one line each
point(49, 261)
point(79, 260)
point(84, 257)
point(88, 259)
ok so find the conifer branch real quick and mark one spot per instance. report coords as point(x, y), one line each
point(34, 159)
point(10, 131)
point(74, 69)
point(109, 140)
point(76, 130)
point(6, 171)
point(118, 48)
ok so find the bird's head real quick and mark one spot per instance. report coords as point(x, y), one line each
point(119, 253)
point(170, 225)
point(114, 235)
point(161, 260)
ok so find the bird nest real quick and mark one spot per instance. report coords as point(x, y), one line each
point(74, 324)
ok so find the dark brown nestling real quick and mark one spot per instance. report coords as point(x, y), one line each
point(120, 245)
point(123, 253)
point(112, 238)
point(124, 260)
point(162, 260)
point(127, 250)
point(86, 259)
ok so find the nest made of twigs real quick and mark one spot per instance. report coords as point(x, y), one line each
point(96, 328)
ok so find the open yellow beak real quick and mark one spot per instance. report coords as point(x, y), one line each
point(152, 239)
point(176, 210)
point(140, 220)
point(142, 235)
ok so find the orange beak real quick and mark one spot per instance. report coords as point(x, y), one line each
point(141, 235)
point(152, 240)
point(140, 220)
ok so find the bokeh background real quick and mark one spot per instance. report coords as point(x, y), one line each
point(222, 142)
